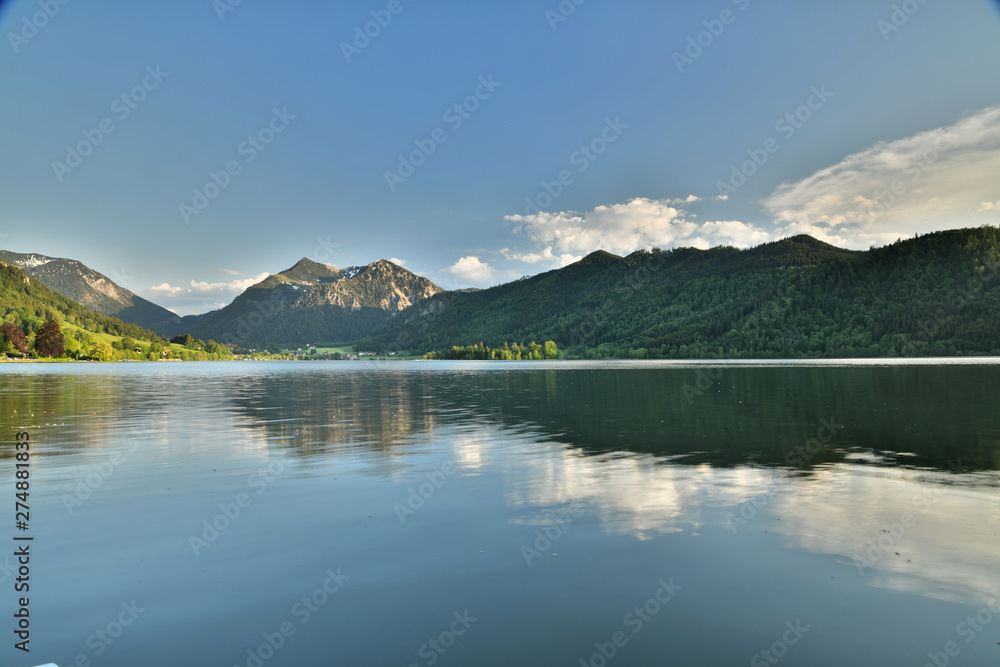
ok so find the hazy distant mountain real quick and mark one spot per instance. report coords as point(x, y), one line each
point(936, 294)
point(315, 303)
point(94, 290)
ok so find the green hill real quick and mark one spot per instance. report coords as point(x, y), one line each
point(27, 303)
point(936, 294)
point(94, 290)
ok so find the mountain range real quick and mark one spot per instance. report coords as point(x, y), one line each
point(932, 294)
point(308, 302)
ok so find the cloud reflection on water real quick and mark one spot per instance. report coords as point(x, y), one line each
point(948, 552)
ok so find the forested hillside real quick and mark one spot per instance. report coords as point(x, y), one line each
point(94, 290)
point(27, 302)
point(934, 294)
point(35, 320)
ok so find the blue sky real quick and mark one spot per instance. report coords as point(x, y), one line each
point(649, 112)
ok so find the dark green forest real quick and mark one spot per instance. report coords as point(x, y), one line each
point(516, 352)
point(937, 294)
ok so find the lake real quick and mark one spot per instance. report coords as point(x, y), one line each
point(526, 513)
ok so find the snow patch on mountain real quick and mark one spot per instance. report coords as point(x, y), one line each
point(32, 260)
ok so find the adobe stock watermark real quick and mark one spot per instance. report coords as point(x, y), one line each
point(248, 149)
point(121, 107)
point(968, 630)
point(635, 620)
point(798, 456)
point(917, 169)
point(223, 7)
point(705, 378)
point(323, 252)
point(363, 35)
point(890, 535)
point(786, 126)
point(247, 324)
point(803, 454)
point(228, 514)
point(91, 481)
point(779, 649)
point(959, 297)
point(697, 44)
point(48, 9)
point(900, 16)
point(122, 278)
point(562, 12)
point(7, 569)
point(433, 649)
point(454, 116)
point(748, 510)
point(623, 288)
point(419, 496)
point(769, 317)
point(430, 310)
point(302, 611)
point(581, 159)
point(104, 637)
point(544, 539)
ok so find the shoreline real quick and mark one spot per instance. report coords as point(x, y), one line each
point(805, 361)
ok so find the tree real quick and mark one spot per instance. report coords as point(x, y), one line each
point(187, 340)
point(551, 351)
point(71, 345)
point(128, 343)
point(14, 337)
point(155, 352)
point(102, 351)
point(223, 352)
point(49, 340)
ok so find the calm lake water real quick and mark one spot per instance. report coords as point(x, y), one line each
point(365, 513)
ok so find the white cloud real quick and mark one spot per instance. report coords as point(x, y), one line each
point(625, 227)
point(939, 179)
point(729, 232)
point(230, 272)
point(200, 288)
point(165, 288)
point(471, 270)
point(546, 255)
point(397, 262)
point(235, 286)
point(195, 308)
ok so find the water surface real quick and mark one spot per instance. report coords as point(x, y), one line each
point(659, 513)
